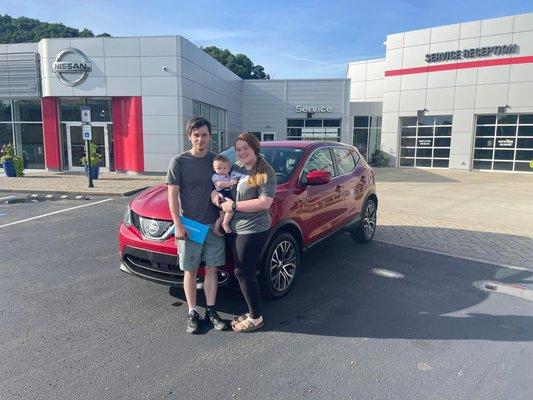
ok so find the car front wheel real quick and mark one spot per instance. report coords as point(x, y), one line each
point(279, 267)
point(365, 230)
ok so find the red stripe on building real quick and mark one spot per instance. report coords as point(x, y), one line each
point(52, 149)
point(128, 133)
point(461, 65)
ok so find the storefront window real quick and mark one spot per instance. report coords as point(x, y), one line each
point(27, 110)
point(29, 139)
point(425, 141)
point(6, 133)
point(5, 110)
point(100, 109)
point(367, 134)
point(217, 117)
point(503, 142)
point(314, 129)
point(26, 132)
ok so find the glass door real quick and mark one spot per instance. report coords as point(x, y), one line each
point(76, 145)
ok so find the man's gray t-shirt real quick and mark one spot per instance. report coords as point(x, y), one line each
point(256, 221)
point(193, 176)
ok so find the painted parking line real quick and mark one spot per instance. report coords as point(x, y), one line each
point(7, 197)
point(53, 213)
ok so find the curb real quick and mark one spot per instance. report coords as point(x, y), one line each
point(461, 257)
point(73, 192)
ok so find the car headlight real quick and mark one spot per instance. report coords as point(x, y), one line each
point(127, 216)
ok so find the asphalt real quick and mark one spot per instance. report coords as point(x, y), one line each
point(363, 321)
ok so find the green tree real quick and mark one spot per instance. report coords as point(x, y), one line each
point(239, 63)
point(24, 30)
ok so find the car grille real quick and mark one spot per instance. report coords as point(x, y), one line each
point(157, 270)
point(152, 228)
point(159, 267)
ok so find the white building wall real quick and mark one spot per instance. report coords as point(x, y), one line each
point(134, 66)
point(268, 103)
point(366, 80)
point(462, 93)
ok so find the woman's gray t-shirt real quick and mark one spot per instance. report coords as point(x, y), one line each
point(256, 221)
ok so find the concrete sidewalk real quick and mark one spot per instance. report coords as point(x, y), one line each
point(479, 215)
point(108, 184)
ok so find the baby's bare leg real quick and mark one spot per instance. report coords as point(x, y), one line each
point(218, 223)
point(225, 222)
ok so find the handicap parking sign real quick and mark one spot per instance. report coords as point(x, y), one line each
point(86, 132)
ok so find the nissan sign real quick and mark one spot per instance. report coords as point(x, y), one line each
point(72, 67)
point(313, 109)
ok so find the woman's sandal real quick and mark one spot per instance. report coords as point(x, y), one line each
point(238, 319)
point(247, 325)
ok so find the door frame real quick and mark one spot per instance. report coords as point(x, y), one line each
point(104, 125)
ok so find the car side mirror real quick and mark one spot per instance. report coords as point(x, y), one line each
point(317, 177)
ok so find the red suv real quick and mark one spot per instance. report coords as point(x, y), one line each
point(323, 188)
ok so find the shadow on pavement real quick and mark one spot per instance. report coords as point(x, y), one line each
point(337, 294)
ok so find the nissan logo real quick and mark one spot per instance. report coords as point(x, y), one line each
point(153, 228)
point(72, 67)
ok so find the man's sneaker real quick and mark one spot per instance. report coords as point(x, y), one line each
point(218, 323)
point(193, 320)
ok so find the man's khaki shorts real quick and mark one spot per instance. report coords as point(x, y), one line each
point(212, 252)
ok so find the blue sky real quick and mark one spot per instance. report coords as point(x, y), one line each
point(291, 39)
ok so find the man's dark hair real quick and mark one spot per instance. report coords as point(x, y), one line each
point(197, 123)
point(221, 157)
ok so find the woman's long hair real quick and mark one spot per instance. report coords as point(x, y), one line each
point(259, 171)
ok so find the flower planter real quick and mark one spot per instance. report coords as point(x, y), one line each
point(9, 168)
point(95, 170)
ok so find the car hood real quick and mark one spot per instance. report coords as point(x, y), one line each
point(152, 203)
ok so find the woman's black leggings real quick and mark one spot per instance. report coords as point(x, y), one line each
point(247, 249)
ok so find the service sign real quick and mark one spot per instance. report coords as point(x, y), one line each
point(505, 142)
point(476, 52)
point(425, 142)
point(314, 109)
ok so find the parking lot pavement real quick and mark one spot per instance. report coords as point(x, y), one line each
point(363, 321)
point(475, 215)
point(16, 208)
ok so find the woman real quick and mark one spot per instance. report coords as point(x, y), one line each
point(250, 224)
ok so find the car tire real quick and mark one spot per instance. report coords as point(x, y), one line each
point(280, 265)
point(365, 230)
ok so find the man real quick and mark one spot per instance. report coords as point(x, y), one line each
point(189, 194)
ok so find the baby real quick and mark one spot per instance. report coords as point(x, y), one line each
point(223, 182)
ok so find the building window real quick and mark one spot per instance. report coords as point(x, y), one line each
point(314, 129)
point(367, 134)
point(503, 142)
point(100, 110)
point(425, 141)
point(21, 124)
point(217, 117)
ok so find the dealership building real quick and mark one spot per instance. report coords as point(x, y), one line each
point(455, 96)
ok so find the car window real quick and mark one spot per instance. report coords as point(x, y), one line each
point(282, 159)
point(320, 159)
point(356, 156)
point(344, 159)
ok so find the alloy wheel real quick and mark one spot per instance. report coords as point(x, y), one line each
point(283, 265)
point(369, 219)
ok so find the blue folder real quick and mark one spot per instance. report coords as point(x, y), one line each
point(195, 230)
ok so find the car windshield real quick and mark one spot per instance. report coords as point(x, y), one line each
point(282, 159)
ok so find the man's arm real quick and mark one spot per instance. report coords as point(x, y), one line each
point(174, 206)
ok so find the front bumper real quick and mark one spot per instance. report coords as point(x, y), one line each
point(160, 268)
